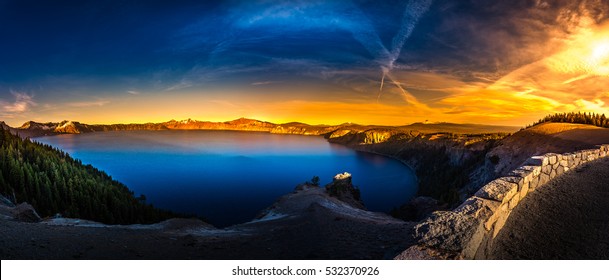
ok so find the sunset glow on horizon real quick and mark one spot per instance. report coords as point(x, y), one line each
point(317, 62)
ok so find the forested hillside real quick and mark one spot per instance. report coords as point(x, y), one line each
point(53, 182)
point(580, 118)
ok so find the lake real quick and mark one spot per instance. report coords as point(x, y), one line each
point(228, 176)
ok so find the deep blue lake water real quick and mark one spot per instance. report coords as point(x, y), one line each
point(228, 177)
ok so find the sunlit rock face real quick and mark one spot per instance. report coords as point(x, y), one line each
point(342, 188)
point(343, 176)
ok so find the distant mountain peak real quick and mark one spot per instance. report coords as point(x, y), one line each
point(187, 121)
point(4, 125)
point(243, 120)
point(36, 125)
point(27, 125)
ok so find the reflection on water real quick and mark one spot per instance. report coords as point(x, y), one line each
point(229, 176)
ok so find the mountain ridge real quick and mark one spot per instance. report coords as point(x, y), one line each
point(36, 129)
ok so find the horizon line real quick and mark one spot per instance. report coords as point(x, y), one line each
point(253, 119)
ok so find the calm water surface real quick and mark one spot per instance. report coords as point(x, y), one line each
point(228, 177)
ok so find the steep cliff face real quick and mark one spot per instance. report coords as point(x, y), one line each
point(443, 162)
point(238, 124)
point(303, 129)
point(70, 127)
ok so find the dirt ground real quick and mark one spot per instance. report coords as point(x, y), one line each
point(317, 232)
point(566, 219)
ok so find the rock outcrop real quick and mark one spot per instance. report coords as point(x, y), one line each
point(442, 161)
point(342, 188)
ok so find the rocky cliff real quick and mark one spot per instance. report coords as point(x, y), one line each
point(343, 189)
point(451, 167)
point(442, 161)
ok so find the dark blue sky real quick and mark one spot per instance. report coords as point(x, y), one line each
point(83, 59)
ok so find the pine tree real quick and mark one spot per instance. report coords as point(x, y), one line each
point(53, 182)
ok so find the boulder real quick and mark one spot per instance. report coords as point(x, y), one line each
point(26, 213)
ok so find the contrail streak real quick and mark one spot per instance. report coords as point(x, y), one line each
point(381, 88)
point(409, 98)
point(413, 12)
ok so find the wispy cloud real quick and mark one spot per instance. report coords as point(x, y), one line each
point(22, 103)
point(133, 92)
point(264, 83)
point(97, 103)
point(184, 83)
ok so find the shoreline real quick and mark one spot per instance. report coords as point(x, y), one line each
point(326, 140)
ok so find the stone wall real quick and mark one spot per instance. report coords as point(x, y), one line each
point(468, 231)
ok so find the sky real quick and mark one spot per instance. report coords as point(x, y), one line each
point(319, 62)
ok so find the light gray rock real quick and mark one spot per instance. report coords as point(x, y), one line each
point(513, 179)
point(459, 229)
point(535, 170)
point(537, 160)
point(498, 190)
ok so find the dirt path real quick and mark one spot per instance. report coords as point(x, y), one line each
point(566, 219)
